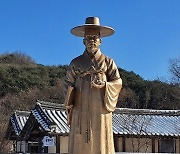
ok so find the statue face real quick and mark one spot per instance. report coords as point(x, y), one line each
point(92, 43)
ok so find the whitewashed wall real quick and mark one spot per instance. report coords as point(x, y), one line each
point(64, 144)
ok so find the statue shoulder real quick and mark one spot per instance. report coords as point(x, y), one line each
point(76, 60)
point(109, 61)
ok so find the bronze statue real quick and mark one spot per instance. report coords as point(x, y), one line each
point(92, 87)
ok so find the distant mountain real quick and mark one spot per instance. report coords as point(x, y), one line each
point(20, 77)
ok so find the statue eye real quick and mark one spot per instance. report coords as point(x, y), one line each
point(91, 37)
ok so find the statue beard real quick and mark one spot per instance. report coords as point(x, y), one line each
point(92, 48)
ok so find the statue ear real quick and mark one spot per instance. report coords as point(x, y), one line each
point(100, 40)
point(84, 41)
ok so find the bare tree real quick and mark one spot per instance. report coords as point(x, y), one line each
point(174, 69)
point(136, 124)
point(5, 145)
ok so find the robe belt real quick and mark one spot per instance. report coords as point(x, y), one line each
point(88, 131)
point(88, 123)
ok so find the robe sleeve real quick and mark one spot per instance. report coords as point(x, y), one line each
point(68, 91)
point(70, 78)
point(112, 87)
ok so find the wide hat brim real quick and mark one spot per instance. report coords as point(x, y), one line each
point(103, 30)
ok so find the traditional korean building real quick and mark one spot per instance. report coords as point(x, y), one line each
point(16, 124)
point(135, 130)
point(47, 125)
point(146, 131)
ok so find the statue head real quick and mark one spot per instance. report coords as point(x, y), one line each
point(92, 31)
point(92, 42)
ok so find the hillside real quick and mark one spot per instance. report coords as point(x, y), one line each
point(22, 82)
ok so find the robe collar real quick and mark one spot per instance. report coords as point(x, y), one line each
point(97, 61)
point(96, 56)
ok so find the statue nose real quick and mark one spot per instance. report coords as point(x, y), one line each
point(91, 41)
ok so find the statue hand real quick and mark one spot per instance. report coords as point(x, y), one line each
point(98, 83)
point(69, 107)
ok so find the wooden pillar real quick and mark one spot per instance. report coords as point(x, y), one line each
point(40, 145)
point(123, 144)
point(156, 145)
point(177, 145)
point(57, 144)
point(153, 145)
point(118, 143)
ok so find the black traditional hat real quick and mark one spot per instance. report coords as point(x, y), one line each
point(92, 22)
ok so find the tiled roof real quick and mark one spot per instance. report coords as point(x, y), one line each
point(125, 121)
point(49, 115)
point(16, 124)
point(18, 120)
point(146, 122)
point(52, 118)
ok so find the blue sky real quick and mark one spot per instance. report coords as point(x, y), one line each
point(147, 32)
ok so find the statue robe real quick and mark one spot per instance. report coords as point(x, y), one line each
point(91, 115)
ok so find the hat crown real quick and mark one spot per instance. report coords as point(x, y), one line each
point(92, 21)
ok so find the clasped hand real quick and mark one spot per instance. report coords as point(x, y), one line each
point(98, 83)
